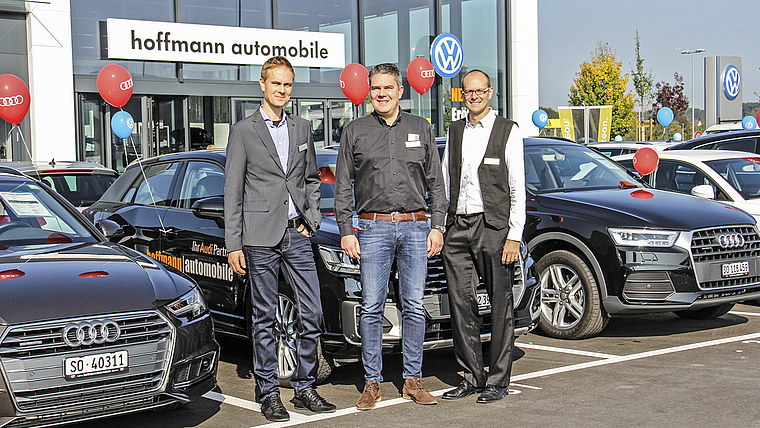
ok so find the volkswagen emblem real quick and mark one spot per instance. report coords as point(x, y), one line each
point(732, 82)
point(447, 55)
point(731, 240)
point(91, 332)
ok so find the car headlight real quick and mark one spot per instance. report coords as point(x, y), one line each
point(190, 305)
point(643, 237)
point(337, 262)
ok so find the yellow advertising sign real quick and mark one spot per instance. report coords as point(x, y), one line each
point(566, 123)
point(605, 123)
point(554, 123)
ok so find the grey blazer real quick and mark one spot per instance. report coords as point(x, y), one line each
point(256, 186)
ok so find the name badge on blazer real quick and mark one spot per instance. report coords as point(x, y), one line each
point(491, 161)
point(302, 147)
point(413, 144)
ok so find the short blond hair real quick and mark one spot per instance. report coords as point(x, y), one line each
point(275, 61)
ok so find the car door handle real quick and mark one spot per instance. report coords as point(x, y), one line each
point(170, 233)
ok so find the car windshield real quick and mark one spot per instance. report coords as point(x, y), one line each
point(571, 168)
point(80, 190)
point(742, 173)
point(29, 215)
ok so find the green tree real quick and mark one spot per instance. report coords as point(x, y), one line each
point(599, 82)
point(642, 80)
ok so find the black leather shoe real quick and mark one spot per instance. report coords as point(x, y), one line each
point(273, 410)
point(465, 389)
point(310, 399)
point(491, 394)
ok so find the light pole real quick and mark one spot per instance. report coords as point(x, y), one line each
point(688, 52)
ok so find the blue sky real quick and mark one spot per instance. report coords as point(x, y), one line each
point(568, 32)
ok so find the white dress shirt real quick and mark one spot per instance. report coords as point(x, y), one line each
point(474, 144)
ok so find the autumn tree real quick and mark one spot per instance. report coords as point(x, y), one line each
point(642, 80)
point(599, 82)
point(667, 95)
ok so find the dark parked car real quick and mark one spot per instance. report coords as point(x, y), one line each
point(742, 141)
point(81, 183)
point(177, 218)
point(89, 328)
point(607, 244)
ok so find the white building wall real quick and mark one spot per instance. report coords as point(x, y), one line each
point(523, 63)
point(51, 81)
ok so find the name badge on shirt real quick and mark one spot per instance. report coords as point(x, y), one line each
point(413, 137)
point(302, 147)
point(412, 144)
point(491, 161)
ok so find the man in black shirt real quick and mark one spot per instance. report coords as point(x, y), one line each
point(391, 160)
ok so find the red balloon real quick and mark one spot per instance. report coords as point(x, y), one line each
point(14, 98)
point(420, 74)
point(115, 85)
point(645, 160)
point(757, 116)
point(354, 81)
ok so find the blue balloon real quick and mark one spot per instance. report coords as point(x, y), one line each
point(749, 122)
point(677, 136)
point(122, 124)
point(540, 118)
point(665, 116)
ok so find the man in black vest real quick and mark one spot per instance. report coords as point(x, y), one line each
point(484, 174)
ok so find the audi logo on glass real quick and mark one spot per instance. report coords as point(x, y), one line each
point(125, 85)
point(731, 240)
point(11, 101)
point(428, 74)
point(89, 332)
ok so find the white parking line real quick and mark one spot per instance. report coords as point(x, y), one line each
point(565, 350)
point(605, 359)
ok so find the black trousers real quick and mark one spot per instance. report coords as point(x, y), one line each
point(472, 249)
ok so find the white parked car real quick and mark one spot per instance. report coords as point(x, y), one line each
point(729, 176)
point(615, 148)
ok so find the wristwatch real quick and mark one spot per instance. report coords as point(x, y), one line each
point(440, 228)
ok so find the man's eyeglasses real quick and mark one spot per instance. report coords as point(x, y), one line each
point(479, 92)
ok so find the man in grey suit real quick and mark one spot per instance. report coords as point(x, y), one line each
point(271, 208)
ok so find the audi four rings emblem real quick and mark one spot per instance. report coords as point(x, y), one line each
point(731, 240)
point(125, 85)
point(427, 74)
point(11, 101)
point(89, 332)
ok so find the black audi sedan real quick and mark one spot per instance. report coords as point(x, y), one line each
point(89, 328)
point(172, 210)
point(607, 244)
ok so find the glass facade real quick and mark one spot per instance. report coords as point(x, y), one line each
point(375, 31)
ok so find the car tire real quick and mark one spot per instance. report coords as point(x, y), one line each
point(706, 313)
point(285, 336)
point(570, 303)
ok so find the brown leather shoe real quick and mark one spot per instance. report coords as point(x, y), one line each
point(413, 390)
point(370, 396)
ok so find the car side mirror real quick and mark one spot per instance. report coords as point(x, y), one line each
point(705, 191)
point(110, 229)
point(211, 208)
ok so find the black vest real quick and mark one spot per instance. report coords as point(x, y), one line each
point(494, 183)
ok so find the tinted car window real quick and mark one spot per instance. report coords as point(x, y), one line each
point(549, 169)
point(743, 174)
point(201, 180)
point(742, 145)
point(80, 189)
point(31, 216)
point(157, 187)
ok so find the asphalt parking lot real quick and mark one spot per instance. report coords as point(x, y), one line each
point(654, 371)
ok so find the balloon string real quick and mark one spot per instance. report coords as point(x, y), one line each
point(145, 178)
point(27, 150)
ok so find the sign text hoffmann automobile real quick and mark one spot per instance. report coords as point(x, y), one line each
point(176, 42)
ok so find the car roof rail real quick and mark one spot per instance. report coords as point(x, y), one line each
point(9, 170)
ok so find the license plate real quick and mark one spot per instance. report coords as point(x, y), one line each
point(483, 301)
point(735, 269)
point(95, 364)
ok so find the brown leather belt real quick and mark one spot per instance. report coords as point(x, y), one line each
point(415, 216)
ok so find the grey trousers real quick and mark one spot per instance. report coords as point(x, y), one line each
point(472, 249)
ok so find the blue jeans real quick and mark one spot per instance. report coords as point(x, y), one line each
point(380, 242)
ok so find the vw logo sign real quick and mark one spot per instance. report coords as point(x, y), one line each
point(731, 240)
point(447, 55)
point(89, 332)
point(732, 82)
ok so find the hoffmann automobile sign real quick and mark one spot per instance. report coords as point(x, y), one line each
point(176, 42)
